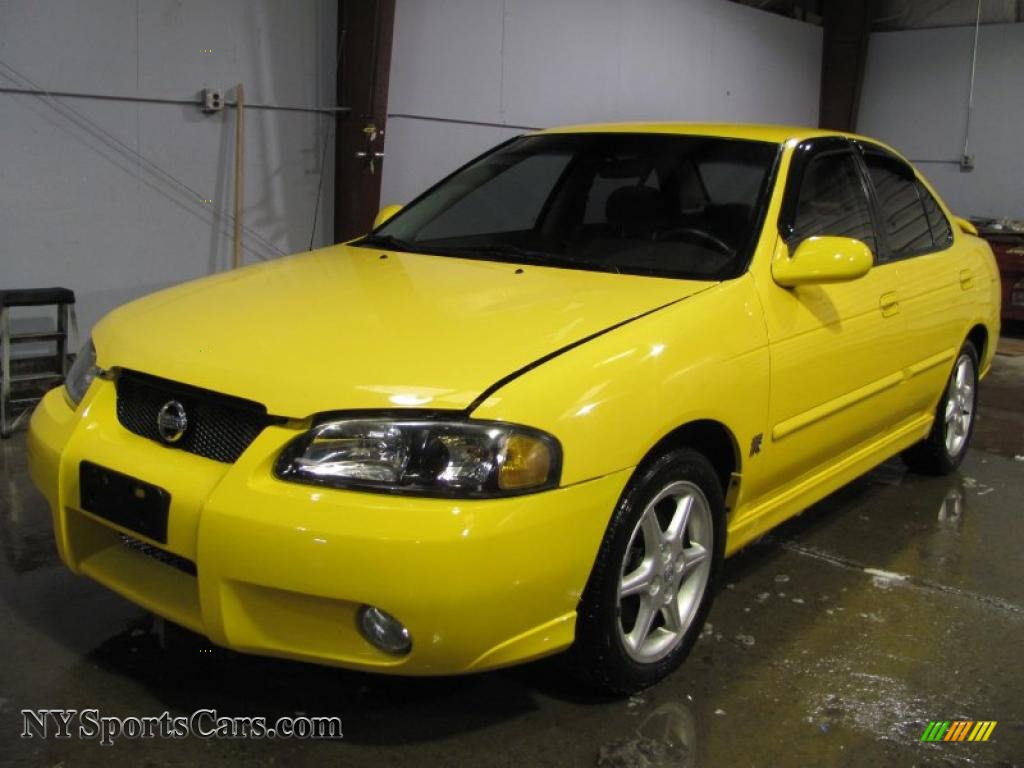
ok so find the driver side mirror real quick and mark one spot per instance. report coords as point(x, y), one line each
point(386, 213)
point(823, 260)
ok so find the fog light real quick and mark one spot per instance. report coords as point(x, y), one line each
point(384, 631)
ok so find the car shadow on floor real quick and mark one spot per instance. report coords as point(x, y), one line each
point(186, 672)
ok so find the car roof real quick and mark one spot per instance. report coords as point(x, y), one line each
point(776, 134)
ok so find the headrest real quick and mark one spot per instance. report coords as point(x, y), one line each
point(633, 205)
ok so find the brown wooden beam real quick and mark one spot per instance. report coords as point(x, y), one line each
point(847, 25)
point(365, 30)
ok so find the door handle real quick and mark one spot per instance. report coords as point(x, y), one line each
point(966, 279)
point(889, 304)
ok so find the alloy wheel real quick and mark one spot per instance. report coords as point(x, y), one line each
point(960, 405)
point(665, 571)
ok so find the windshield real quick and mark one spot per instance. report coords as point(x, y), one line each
point(652, 204)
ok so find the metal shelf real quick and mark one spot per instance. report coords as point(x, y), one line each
point(25, 378)
point(41, 369)
point(22, 338)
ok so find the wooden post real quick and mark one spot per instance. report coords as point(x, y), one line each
point(239, 176)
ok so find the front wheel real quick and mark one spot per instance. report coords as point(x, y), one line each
point(652, 583)
point(946, 445)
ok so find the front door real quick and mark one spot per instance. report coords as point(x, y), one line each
point(836, 349)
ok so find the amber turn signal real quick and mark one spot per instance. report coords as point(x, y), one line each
point(527, 463)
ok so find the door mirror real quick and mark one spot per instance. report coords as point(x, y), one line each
point(386, 213)
point(822, 260)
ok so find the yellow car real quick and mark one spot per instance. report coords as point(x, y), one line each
point(531, 411)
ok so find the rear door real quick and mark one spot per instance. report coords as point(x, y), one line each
point(935, 278)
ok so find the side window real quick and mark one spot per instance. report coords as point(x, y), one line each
point(903, 212)
point(832, 201)
point(942, 233)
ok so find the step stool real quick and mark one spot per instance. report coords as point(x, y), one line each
point(19, 391)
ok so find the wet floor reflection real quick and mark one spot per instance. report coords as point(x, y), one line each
point(26, 539)
point(665, 738)
point(951, 511)
point(26, 536)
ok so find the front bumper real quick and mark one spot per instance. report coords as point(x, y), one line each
point(281, 569)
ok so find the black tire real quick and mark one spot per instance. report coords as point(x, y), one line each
point(600, 656)
point(936, 454)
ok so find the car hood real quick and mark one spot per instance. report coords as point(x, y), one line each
point(353, 328)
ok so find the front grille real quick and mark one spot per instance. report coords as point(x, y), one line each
point(167, 558)
point(220, 427)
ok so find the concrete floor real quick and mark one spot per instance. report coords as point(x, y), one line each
point(811, 657)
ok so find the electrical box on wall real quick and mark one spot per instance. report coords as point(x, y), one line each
point(213, 100)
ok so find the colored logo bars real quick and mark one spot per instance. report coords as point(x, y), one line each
point(958, 730)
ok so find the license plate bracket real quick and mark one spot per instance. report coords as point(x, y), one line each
point(122, 499)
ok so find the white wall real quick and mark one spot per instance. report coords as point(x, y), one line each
point(915, 98)
point(80, 208)
point(549, 62)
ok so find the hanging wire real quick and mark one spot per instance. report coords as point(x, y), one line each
point(194, 102)
point(965, 157)
point(99, 132)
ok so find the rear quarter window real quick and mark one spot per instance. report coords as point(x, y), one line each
point(913, 221)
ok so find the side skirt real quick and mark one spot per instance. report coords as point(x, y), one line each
point(796, 497)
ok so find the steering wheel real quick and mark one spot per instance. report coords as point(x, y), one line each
point(697, 234)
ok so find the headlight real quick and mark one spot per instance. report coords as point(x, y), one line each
point(82, 372)
point(424, 457)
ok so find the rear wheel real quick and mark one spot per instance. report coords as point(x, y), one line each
point(946, 445)
point(652, 584)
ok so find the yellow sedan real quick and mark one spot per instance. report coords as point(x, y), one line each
point(531, 411)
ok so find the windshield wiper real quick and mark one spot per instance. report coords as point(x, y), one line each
point(385, 241)
point(498, 251)
point(515, 253)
